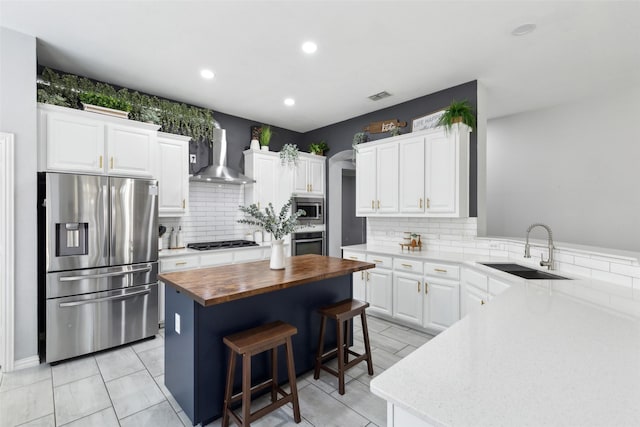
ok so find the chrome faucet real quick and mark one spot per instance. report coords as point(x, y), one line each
point(527, 252)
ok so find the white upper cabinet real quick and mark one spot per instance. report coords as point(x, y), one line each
point(419, 174)
point(309, 176)
point(377, 180)
point(173, 174)
point(78, 141)
point(273, 181)
point(412, 171)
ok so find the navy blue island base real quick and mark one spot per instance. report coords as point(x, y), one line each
point(196, 358)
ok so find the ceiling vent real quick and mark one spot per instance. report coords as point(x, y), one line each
point(380, 95)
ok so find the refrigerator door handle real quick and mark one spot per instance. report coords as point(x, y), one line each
point(101, 275)
point(98, 300)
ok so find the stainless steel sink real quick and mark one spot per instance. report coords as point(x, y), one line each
point(524, 272)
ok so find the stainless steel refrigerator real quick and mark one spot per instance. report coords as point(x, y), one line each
point(98, 253)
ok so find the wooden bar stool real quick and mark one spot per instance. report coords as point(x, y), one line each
point(249, 343)
point(343, 312)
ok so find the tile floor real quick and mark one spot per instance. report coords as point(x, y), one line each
point(124, 387)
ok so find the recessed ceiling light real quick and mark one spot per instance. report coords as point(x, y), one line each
point(309, 47)
point(289, 102)
point(207, 74)
point(523, 29)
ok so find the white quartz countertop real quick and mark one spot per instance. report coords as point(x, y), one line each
point(538, 354)
point(425, 254)
point(166, 253)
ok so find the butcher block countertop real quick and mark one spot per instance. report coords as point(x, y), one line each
point(216, 285)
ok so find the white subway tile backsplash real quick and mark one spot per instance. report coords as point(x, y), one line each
point(591, 263)
point(612, 277)
point(626, 270)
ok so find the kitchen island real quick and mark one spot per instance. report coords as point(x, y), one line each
point(204, 305)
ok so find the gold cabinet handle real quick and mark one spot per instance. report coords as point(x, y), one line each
point(482, 302)
point(353, 257)
point(111, 162)
point(362, 275)
point(428, 203)
point(372, 205)
point(100, 162)
point(418, 286)
point(378, 204)
point(377, 260)
point(420, 202)
point(426, 287)
point(310, 187)
point(181, 263)
point(184, 203)
point(439, 270)
point(407, 265)
point(368, 276)
point(258, 205)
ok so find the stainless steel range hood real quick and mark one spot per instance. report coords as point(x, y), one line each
point(218, 172)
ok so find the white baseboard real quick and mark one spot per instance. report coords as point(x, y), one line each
point(27, 362)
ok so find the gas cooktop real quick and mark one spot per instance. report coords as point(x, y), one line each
point(224, 244)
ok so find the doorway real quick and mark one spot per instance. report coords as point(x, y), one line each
point(354, 229)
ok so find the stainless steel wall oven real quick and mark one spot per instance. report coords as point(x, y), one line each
point(98, 253)
point(307, 243)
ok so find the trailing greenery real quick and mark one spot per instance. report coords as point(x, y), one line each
point(289, 154)
point(458, 111)
point(265, 135)
point(174, 117)
point(278, 225)
point(319, 147)
point(107, 101)
point(358, 138)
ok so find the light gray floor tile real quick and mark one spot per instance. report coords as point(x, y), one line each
point(161, 415)
point(327, 382)
point(134, 393)
point(153, 360)
point(80, 398)
point(105, 418)
point(22, 377)
point(118, 363)
point(376, 325)
point(406, 351)
point(320, 409)
point(386, 343)
point(361, 400)
point(26, 403)
point(46, 421)
point(360, 373)
point(187, 422)
point(410, 336)
point(172, 401)
point(74, 370)
point(157, 341)
point(383, 358)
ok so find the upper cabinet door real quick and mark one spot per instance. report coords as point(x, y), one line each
point(300, 183)
point(130, 151)
point(266, 172)
point(72, 143)
point(412, 170)
point(173, 176)
point(316, 176)
point(441, 175)
point(308, 176)
point(365, 181)
point(387, 178)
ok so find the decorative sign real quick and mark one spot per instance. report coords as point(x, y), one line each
point(384, 126)
point(426, 122)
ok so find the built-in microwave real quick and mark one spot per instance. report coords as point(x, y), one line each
point(313, 208)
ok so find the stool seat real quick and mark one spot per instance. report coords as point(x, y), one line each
point(249, 343)
point(343, 313)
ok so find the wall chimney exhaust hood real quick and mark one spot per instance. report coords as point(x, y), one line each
point(217, 172)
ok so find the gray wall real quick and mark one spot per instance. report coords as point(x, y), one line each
point(18, 116)
point(574, 167)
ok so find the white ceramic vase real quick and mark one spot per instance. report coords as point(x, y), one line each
point(255, 145)
point(277, 255)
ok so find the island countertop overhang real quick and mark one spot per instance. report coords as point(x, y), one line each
point(216, 285)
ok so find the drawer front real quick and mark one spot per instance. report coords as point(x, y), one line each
point(380, 261)
point(356, 256)
point(408, 265)
point(212, 259)
point(247, 255)
point(442, 270)
point(178, 263)
point(476, 280)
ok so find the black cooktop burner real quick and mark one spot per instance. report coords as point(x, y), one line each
point(225, 244)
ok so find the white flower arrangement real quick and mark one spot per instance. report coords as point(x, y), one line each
point(278, 226)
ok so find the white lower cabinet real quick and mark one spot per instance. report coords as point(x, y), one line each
point(441, 303)
point(473, 300)
point(360, 285)
point(379, 291)
point(407, 297)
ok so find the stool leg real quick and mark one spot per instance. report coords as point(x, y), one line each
point(274, 374)
point(340, 343)
point(229, 389)
point(246, 389)
point(316, 373)
point(347, 340)
point(292, 380)
point(367, 347)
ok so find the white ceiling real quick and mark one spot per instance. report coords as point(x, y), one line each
point(409, 49)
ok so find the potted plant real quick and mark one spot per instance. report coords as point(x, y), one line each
point(318, 148)
point(458, 112)
point(289, 154)
point(265, 137)
point(104, 104)
point(276, 225)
